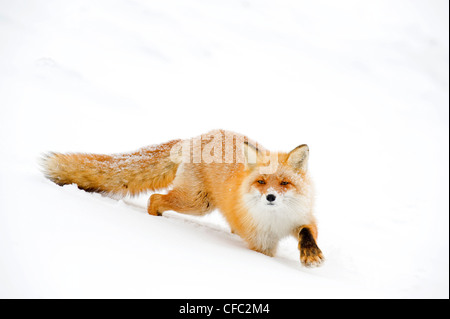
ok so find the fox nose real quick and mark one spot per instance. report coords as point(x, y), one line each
point(271, 197)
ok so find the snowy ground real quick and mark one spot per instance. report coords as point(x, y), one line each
point(364, 84)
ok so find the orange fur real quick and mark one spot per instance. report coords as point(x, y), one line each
point(121, 174)
point(237, 188)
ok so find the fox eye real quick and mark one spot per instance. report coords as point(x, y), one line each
point(261, 181)
point(284, 183)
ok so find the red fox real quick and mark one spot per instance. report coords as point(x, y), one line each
point(264, 196)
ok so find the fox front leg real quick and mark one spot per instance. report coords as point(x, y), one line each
point(310, 253)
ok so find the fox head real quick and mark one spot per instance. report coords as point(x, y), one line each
point(280, 183)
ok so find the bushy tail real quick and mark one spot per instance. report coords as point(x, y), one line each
point(149, 168)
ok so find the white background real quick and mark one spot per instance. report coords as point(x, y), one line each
point(364, 84)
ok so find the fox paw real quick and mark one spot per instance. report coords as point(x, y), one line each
point(153, 212)
point(153, 205)
point(311, 256)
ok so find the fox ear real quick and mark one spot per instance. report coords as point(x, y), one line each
point(251, 154)
point(298, 157)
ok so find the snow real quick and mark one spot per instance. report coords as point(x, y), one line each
point(365, 85)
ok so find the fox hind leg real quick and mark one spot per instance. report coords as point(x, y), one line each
point(181, 200)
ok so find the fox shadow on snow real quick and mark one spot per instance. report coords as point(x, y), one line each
point(222, 234)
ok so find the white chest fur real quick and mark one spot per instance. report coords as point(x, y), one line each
point(278, 219)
